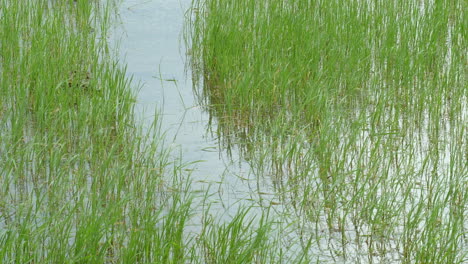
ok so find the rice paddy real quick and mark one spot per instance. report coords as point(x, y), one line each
point(355, 114)
point(81, 182)
point(356, 111)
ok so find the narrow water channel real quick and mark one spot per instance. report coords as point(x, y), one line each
point(150, 42)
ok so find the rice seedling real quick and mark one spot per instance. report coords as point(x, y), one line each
point(80, 182)
point(356, 110)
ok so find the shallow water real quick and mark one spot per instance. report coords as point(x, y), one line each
point(151, 44)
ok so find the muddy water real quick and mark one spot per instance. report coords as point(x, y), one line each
point(149, 36)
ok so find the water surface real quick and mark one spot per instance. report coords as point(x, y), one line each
point(150, 40)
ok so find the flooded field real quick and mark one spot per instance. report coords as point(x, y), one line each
point(234, 131)
point(356, 111)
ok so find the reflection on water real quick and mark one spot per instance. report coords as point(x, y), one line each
point(334, 164)
point(356, 135)
point(150, 41)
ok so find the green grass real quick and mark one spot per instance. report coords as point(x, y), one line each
point(357, 109)
point(80, 182)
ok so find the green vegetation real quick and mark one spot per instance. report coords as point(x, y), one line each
point(357, 110)
point(79, 180)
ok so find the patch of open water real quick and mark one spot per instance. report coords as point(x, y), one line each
point(151, 44)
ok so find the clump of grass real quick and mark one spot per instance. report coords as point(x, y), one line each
point(357, 110)
point(73, 164)
point(236, 241)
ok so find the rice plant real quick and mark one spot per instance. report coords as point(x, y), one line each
point(355, 109)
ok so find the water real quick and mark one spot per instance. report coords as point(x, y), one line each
point(151, 45)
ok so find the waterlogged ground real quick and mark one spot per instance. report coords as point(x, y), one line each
point(81, 180)
point(357, 112)
point(351, 169)
point(150, 41)
point(373, 229)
